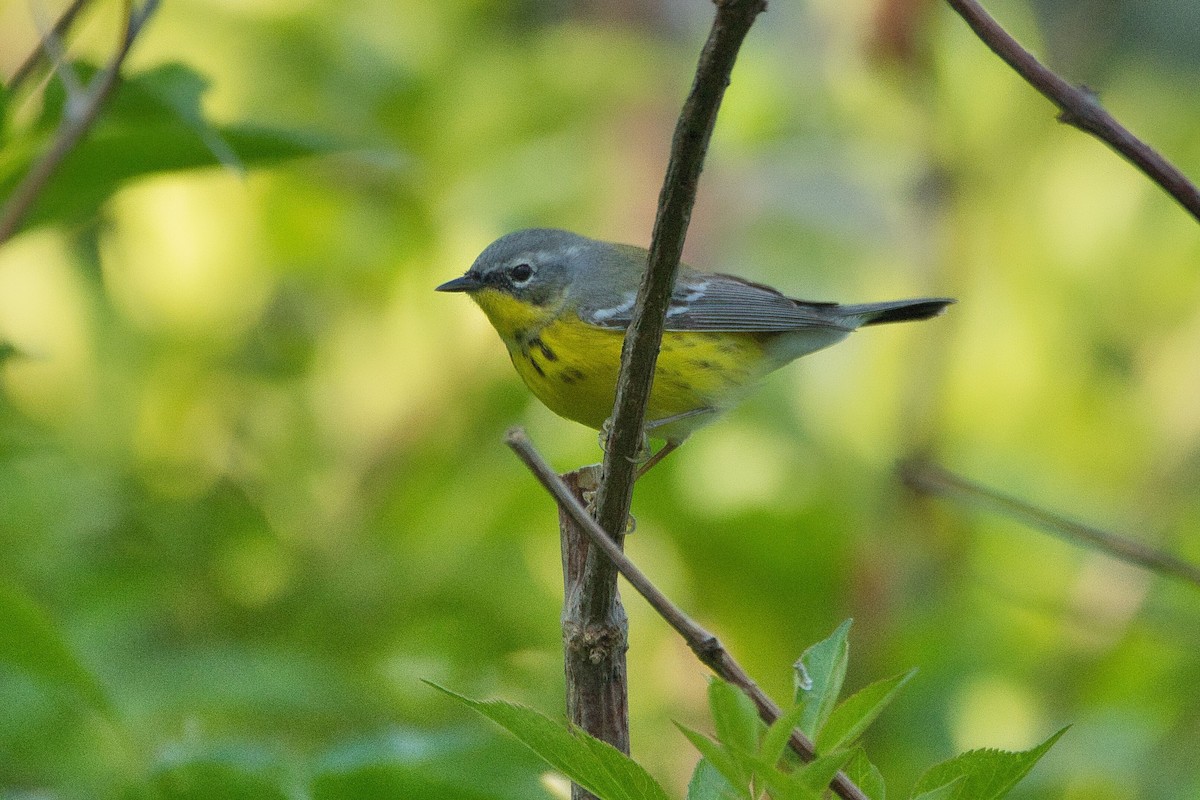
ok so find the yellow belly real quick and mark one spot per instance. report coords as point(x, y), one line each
point(572, 367)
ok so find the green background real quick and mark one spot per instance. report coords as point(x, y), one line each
point(252, 482)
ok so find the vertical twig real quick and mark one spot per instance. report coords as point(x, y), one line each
point(592, 608)
point(593, 649)
point(594, 626)
point(705, 645)
point(640, 351)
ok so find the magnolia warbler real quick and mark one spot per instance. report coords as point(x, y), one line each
point(561, 302)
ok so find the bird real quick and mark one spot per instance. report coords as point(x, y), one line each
point(561, 303)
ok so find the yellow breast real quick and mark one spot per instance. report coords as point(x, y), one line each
point(572, 366)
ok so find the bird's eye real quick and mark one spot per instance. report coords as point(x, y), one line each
point(520, 273)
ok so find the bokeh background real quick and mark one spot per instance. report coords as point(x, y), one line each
point(251, 469)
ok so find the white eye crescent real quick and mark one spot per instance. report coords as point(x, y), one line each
point(520, 273)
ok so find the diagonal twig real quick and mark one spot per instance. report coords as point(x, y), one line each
point(56, 34)
point(640, 352)
point(78, 119)
point(704, 644)
point(930, 478)
point(1079, 107)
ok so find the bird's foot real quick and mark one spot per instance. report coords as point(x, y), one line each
point(644, 451)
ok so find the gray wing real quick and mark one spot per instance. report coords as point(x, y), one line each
point(715, 302)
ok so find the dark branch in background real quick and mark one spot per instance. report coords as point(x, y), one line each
point(56, 34)
point(79, 116)
point(1079, 107)
point(640, 352)
point(929, 478)
point(705, 645)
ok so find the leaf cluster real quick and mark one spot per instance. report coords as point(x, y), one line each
point(747, 759)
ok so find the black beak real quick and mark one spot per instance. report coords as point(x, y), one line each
point(467, 283)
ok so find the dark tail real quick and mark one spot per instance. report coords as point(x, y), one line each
point(897, 310)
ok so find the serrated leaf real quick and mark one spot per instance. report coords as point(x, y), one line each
point(736, 771)
point(856, 713)
point(775, 741)
point(595, 765)
point(942, 792)
point(985, 774)
point(818, 678)
point(734, 717)
point(31, 643)
point(865, 775)
point(708, 783)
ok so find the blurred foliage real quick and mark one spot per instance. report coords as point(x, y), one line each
point(252, 488)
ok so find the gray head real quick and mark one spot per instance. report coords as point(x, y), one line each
point(535, 265)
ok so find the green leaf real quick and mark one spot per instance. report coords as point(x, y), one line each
point(775, 742)
point(708, 783)
point(942, 792)
point(782, 787)
point(865, 775)
point(734, 717)
point(983, 774)
point(737, 771)
point(809, 782)
point(856, 713)
point(154, 123)
point(30, 642)
point(179, 89)
point(818, 677)
point(818, 774)
point(595, 765)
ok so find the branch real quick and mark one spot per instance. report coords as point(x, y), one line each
point(1079, 107)
point(705, 645)
point(594, 650)
point(78, 118)
point(55, 34)
point(929, 478)
point(640, 351)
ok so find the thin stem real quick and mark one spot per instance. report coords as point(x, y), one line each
point(704, 644)
point(930, 478)
point(1079, 107)
point(640, 352)
point(78, 118)
point(56, 34)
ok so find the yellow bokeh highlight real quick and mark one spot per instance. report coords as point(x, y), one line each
point(764, 469)
point(44, 315)
point(183, 256)
point(992, 711)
